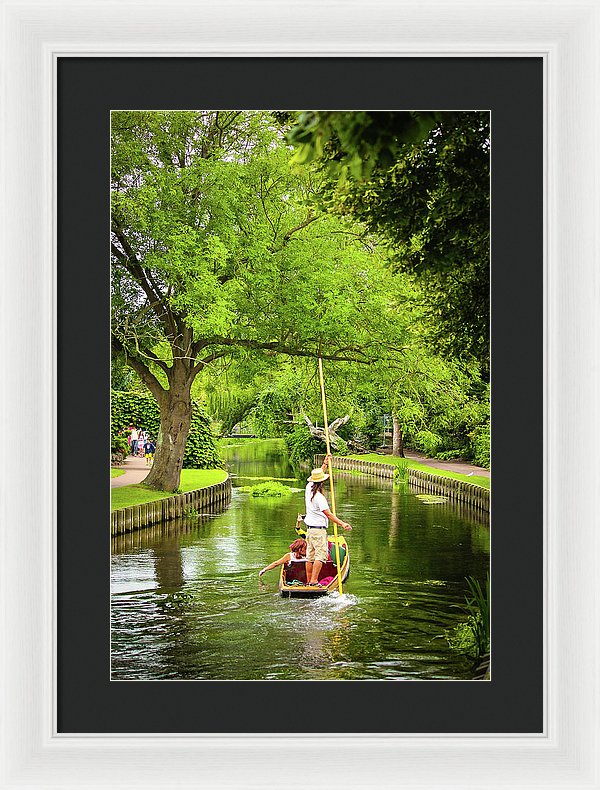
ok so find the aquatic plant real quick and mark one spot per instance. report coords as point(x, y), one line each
point(401, 471)
point(269, 489)
point(431, 499)
point(472, 636)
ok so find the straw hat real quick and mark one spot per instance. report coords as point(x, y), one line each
point(317, 476)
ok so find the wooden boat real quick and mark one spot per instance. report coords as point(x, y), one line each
point(289, 576)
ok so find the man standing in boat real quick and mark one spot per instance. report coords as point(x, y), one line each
point(316, 519)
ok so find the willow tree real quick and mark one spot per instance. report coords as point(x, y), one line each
point(216, 249)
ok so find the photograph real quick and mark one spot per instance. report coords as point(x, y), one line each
point(300, 438)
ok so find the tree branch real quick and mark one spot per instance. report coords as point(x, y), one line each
point(338, 423)
point(142, 370)
point(157, 361)
point(310, 218)
point(206, 361)
point(345, 354)
point(129, 260)
point(262, 200)
point(319, 433)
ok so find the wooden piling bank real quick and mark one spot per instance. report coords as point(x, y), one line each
point(129, 519)
point(459, 491)
point(354, 465)
point(475, 497)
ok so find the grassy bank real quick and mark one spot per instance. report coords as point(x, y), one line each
point(477, 480)
point(191, 480)
point(117, 472)
point(237, 441)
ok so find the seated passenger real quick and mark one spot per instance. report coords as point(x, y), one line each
point(297, 553)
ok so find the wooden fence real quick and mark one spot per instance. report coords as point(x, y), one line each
point(460, 491)
point(135, 517)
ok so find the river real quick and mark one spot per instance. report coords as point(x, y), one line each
point(187, 603)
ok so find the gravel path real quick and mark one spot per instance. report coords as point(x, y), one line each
point(135, 471)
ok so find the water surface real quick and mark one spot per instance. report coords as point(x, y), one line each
point(187, 602)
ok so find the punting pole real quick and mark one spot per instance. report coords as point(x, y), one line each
point(326, 421)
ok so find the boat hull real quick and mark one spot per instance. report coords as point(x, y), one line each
point(296, 574)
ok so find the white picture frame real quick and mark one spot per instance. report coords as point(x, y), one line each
point(566, 35)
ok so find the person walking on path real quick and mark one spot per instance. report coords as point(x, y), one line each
point(316, 519)
point(133, 445)
point(149, 448)
point(142, 434)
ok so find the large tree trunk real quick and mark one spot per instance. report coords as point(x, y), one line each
point(397, 442)
point(175, 419)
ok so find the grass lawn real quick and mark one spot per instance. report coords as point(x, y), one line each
point(191, 479)
point(116, 472)
point(484, 482)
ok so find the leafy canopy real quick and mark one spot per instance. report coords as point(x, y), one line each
point(216, 244)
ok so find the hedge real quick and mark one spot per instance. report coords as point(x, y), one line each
point(141, 410)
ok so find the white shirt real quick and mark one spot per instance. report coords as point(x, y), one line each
point(134, 435)
point(294, 558)
point(314, 508)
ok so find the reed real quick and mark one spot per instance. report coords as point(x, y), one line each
point(472, 636)
point(401, 470)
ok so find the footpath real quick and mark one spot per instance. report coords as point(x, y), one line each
point(450, 466)
point(135, 471)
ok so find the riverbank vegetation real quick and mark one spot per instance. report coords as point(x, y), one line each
point(247, 244)
point(191, 480)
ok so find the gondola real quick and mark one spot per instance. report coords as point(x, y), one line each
point(289, 577)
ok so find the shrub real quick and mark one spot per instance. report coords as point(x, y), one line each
point(119, 445)
point(341, 447)
point(427, 442)
point(480, 445)
point(141, 410)
point(201, 449)
point(450, 455)
point(133, 408)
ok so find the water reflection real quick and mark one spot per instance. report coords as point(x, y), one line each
point(187, 602)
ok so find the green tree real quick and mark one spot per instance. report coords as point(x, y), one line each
point(439, 406)
point(422, 181)
point(217, 250)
